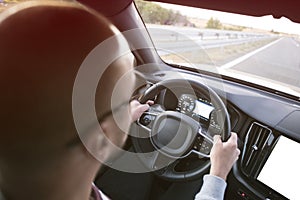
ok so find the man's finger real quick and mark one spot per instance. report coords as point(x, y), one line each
point(233, 137)
point(143, 108)
point(150, 102)
point(217, 138)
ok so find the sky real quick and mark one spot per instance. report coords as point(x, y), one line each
point(266, 23)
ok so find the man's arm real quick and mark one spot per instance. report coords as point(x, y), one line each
point(213, 188)
point(223, 156)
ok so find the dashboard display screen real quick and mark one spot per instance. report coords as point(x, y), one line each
point(190, 104)
point(281, 171)
point(203, 109)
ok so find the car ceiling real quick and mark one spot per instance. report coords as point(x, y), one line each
point(278, 8)
point(107, 7)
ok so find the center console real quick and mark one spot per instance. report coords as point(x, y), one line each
point(269, 167)
point(281, 170)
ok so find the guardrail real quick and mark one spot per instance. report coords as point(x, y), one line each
point(172, 33)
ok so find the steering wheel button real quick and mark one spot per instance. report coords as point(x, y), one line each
point(146, 120)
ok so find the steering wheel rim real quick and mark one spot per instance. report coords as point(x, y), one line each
point(185, 128)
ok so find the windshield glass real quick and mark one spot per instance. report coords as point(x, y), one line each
point(261, 50)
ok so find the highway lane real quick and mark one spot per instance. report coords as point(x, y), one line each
point(280, 62)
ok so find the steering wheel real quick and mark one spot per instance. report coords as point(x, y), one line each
point(164, 138)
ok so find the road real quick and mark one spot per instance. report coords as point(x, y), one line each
point(279, 61)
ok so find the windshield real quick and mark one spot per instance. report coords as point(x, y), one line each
point(261, 50)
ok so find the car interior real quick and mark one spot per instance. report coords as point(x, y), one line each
point(194, 101)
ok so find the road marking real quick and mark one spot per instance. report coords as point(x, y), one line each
point(241, 59)
point(296, 42)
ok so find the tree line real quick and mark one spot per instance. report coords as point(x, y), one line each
point(155, 14)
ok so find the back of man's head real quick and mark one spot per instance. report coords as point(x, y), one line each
point(42, 47)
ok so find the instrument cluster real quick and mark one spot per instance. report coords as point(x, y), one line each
point(200, 109)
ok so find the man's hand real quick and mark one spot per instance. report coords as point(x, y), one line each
point(137, 109)
point(223, 155)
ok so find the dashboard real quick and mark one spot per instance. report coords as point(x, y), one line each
point(269, 134)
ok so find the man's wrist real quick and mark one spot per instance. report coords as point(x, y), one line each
point(218, 174)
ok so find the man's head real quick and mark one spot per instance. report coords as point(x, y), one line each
point(42, 47)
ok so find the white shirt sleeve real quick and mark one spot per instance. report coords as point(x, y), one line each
point(103, 196)
point(213, 188)
point(1, 196)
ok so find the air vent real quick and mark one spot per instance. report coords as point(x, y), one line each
point(257, 141)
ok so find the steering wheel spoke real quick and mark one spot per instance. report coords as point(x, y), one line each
point(169, 170)
point(202, 145)
point(157, 161)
